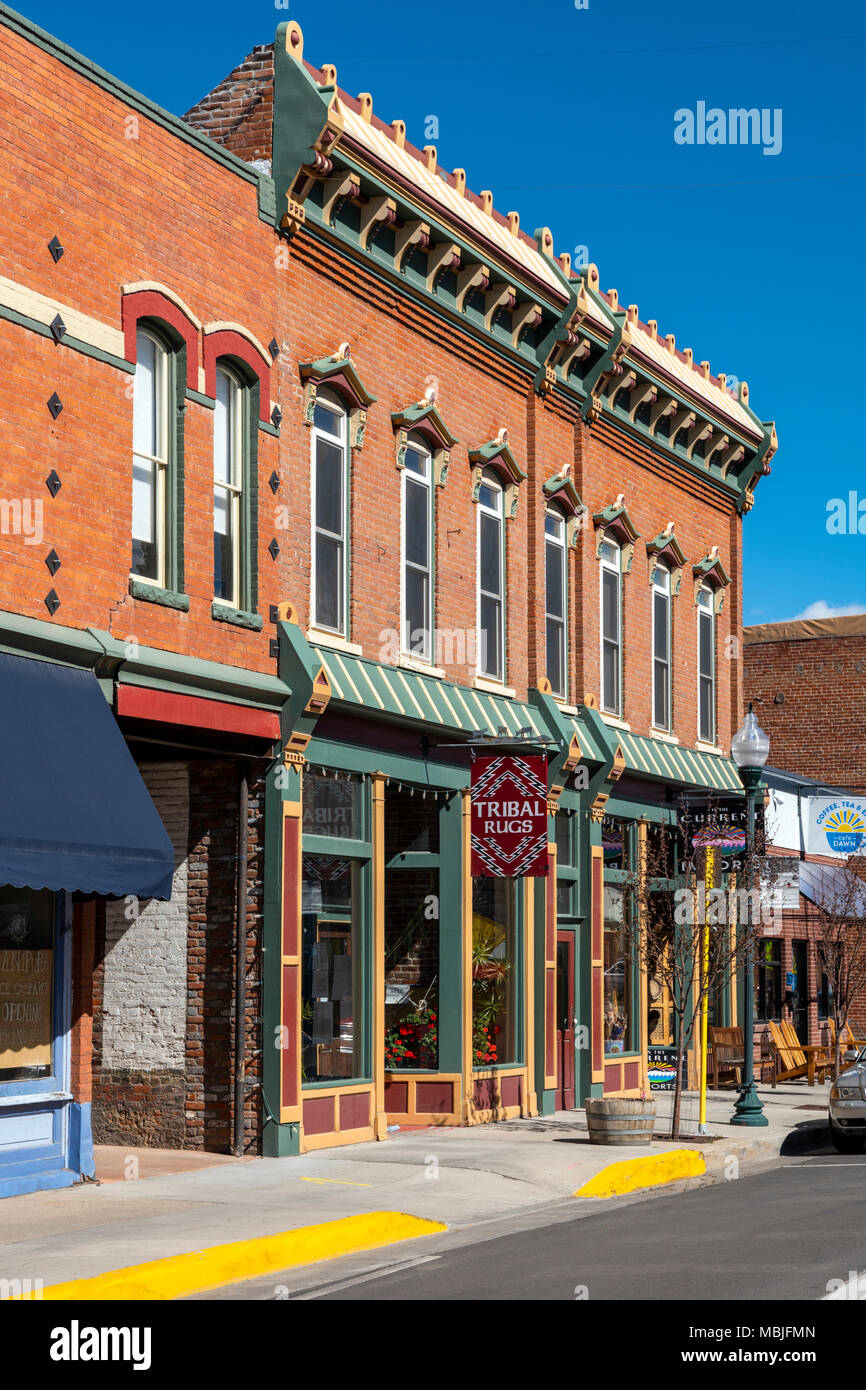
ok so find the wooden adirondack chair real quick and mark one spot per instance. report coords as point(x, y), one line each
point(848, 1039)
point(726, 1051)
point(793, 1059)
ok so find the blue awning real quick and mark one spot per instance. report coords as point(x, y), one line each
point(74, 812)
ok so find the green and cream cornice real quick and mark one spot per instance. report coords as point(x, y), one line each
point(340, 373)
point(357, 185)
point(496, 454)
point(423, 418)
point(615, 518)
point(666, 547)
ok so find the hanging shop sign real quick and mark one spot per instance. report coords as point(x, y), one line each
point(720, 824)
point(509, 817)
point(837, 825)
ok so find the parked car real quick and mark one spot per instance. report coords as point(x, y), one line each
point(848, 1104)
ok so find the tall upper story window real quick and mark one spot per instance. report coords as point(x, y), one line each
point(556, 600)
point(417, 587)
point(329, 514)
point(229, 541)
point(661, 593)
point(611, 625)
point(706, 665)
point(151, 443)
point(491, 566)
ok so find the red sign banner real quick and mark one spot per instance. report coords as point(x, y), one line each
point(509, 817)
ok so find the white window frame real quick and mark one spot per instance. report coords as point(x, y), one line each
point(234, 488)
point(160, 461)
point(558, 541)
point(706, 611)
point(334, 403)
point(490, 480)
point(611, 567)
point(661, 587)
point(417, 446)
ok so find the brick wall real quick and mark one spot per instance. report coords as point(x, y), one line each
point(163, 998)
point(239, 112)
point(817, 727)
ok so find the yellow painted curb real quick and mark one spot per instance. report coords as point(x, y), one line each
point(199, 1270)
point(618, 1178)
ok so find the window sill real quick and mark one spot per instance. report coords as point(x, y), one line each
point(615, 722)
point(663, 736)
point(494, 687)
point(567, 708)
point(709, 748)
point(414, 663)
point(151, 593)
point(320, 638)
point(224, 613)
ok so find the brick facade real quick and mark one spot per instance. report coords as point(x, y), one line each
point(811, 680)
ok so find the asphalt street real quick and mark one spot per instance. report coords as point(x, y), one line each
point(782, 1233)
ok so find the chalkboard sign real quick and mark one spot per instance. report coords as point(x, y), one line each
point(662, 1068)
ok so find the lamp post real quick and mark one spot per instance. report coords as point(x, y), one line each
point(750, 748)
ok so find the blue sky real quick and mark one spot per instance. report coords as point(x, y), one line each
point(753, 260)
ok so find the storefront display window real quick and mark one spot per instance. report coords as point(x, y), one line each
point(768, 979)
point(617, 972)
point(332, 805)
point(615, 842)
point(332, 974)
point(566, 866)
point(411, 928)
point(495, 972)
point(26, 978)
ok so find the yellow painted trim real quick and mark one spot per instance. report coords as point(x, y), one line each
point(633, 1173)
point(530, 1099)
point(466, 846)
point(380, 1119)
point(336, 1138)
point(181, 1275)
point(310, 1093)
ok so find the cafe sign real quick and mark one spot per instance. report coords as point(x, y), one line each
point(509, 817)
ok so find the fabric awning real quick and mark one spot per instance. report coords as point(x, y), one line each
point(74, 812)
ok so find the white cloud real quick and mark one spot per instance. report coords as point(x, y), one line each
point(821, 609)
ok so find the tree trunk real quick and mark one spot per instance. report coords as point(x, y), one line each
point(678, 1090)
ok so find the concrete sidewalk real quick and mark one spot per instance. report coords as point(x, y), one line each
point(458, 1177)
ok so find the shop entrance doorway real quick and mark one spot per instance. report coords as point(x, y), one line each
point(799, 992)
point(564, 1094)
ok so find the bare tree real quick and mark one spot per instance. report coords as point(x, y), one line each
point(689, 926)
point(836, 924)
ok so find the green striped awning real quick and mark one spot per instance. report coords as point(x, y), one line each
point(671, 762)
point(399, 693)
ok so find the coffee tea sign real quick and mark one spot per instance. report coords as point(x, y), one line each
point(509, 817)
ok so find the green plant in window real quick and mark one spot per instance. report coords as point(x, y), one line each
point(490, 971)
point(413, 1041)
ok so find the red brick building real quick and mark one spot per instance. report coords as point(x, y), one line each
point(341, 472)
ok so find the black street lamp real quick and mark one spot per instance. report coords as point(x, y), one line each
point(750, 748)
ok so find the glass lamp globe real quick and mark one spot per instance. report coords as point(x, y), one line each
point(750, 746)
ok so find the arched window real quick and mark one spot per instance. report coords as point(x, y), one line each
point(661, 595)
point(706, 664)
point(556, 600)
point(610, 558)
point(417, 544)
point(229, 476)
point(329, 513)
point(151, 453)
point(491, 567)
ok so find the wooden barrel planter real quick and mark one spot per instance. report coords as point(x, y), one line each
point(618, 1120)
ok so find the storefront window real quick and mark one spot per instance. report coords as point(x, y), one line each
point(332, 805)
point(825, 997)
point(26, 975)
point(411, 968)
point(411, 821)
point(617, 972)
point(768, 976)
point(615, 843)
point(566, 867)
point(495, 968)
point(332, 971)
